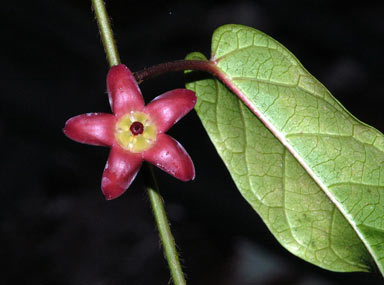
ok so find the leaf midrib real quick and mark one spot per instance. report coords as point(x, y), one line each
point(282, 138)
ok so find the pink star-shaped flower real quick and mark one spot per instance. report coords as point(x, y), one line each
point(135, 132)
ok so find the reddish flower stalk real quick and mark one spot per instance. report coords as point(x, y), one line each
point(135, 132)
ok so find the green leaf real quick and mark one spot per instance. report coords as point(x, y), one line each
point(312, 171)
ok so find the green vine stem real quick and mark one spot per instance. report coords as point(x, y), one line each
point(155, 198)
point(163, 227)
point(106, 32)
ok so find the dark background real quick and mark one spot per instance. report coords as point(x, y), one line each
point(56, 227)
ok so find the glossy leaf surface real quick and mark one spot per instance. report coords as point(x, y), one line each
point(312, 171)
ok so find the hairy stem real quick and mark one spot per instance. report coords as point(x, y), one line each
point(155, 198)
point(106, 32)
point(164, 229)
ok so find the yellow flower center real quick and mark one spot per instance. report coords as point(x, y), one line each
point(135, 132)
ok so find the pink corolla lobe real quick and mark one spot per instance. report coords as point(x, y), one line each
point(135, 132)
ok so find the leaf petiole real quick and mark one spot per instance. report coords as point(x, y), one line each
point(174, 66)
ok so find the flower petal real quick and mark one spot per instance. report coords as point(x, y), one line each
point(121, 169)
point(170, 107)
point(170, 156)
point(91, 128)
point(123, 91)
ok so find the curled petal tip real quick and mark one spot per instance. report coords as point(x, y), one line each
point(120, 170)
point(111, 190)
point(170, 156)
point(123, 90)
point(91, 128)
point(188, 173)
point(168, 108)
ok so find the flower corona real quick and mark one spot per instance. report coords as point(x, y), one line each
point(135, 132)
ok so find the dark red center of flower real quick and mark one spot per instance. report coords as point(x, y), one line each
point(137, 128)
